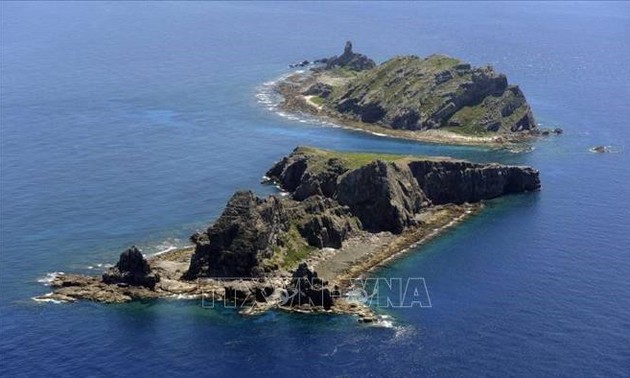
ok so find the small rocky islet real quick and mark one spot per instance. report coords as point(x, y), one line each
point(436, 99)
point(339, 215)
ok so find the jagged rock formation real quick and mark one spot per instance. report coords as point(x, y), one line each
point(252, 230)
point(308, 289)
point(411, 93)
point(386, 195)
point(383, 195)
point(323, 222)
point(318, 89)
point(305, 174)
point(350, 60)
point(237, 243)
point(337, 195)
point(461, 181)
point(132, 269)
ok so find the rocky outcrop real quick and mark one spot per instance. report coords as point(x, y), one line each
point(601, 149)
point(386, 195)
point(242, 237)
point(411, 93)
point(318, 89)
point(253, 231)
point(132, 269)
point(337, 195)
point(305, 174)
point(383, 195)
point(323, 222)
point(308, 289)
point(350, 60)
point(452, 181)
point(303, 63)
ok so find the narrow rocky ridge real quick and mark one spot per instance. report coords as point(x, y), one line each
point(335, 196)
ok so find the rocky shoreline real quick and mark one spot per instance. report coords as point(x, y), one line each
point(438, 99)
point(345, 214)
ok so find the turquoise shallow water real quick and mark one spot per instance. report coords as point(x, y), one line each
point(127, 123)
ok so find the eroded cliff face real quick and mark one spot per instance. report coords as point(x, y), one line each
point(411, 93)
point(383, 195)
point(242, 237)
point(435, 180)
point(335, 196)
point(460, 181)
point(254, 236)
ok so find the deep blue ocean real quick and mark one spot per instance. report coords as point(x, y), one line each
point(133, 123)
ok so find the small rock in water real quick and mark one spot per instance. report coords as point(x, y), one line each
point(303, 63)
point(367, 319)
point(132, 269)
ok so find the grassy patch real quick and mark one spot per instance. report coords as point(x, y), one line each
point(292, 249)
point(441, 62)
point(469, 117)
point(342, 72)
point(295, 248)
point(317, 100)
point(350, 160)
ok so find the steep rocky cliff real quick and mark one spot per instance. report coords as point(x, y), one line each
point(460, 181)
point(242, 237)
point(349, 177)
point(335, 196)
point(256, 235)
point(383, 195)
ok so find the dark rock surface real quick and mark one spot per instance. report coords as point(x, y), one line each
point(452, 181)
point(304, 174)
point(384, 196)
point(338, 195)
point(318, 89)
point(350, 60)
point(323, 222)
point(601, 149)
point(240, 239)
point(132, 269)
point(251, 230)
point(308, 289)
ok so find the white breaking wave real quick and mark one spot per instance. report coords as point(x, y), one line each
point(270, 98)
point(184, 296)
point(165, 250)
point(49, 278)
point(44, 299)
point(166, 246)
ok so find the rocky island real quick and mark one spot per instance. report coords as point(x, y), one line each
point(435, 99)
point(341, 215)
